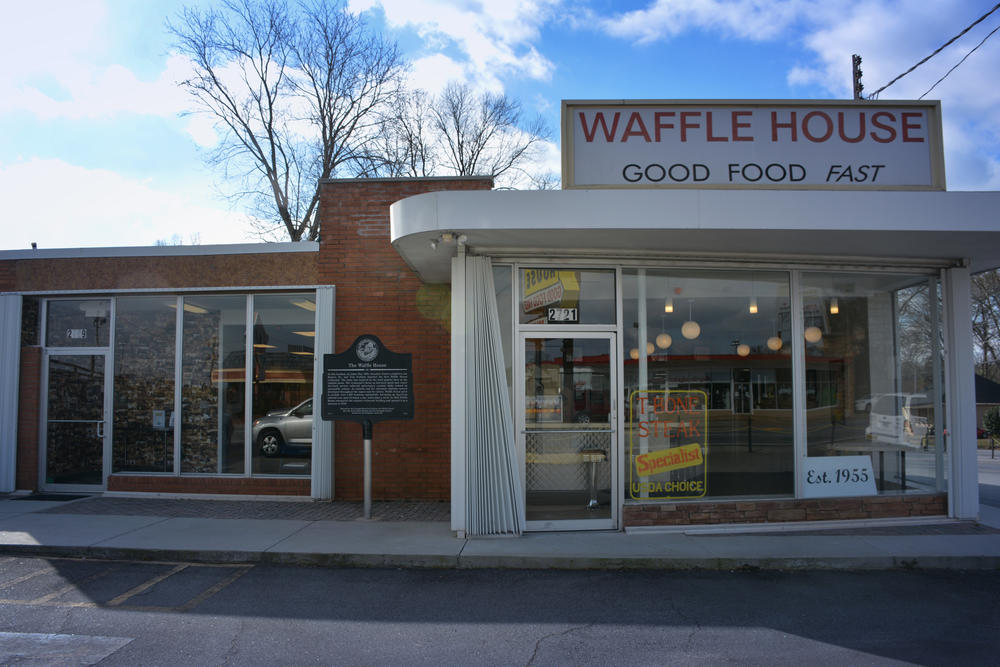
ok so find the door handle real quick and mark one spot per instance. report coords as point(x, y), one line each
point(100, 429)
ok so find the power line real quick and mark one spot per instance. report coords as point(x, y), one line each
point(959, 62)
point(937, 50)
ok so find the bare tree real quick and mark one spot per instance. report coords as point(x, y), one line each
point(462, 133)
point(484, 133)
point(986, 323)
point(296, 91)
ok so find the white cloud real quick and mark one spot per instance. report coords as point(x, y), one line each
point(495, 39)
point(747, 19)
point(97, 208)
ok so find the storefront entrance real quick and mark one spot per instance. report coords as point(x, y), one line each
point(568, 430)
point(76, 421)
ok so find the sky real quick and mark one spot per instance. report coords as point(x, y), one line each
point(96, 147)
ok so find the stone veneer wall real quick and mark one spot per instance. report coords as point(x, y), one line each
point(775, 511)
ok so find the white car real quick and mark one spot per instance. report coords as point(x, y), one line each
point(892, 420)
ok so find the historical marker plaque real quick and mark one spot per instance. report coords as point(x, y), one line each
point(367, 382)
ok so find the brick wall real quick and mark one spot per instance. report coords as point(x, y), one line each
point(378, 293)
point(29, 395)
point(102, 273)
point(767, 511)
point(259, 486)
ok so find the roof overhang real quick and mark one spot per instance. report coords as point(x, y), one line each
point(890, 229)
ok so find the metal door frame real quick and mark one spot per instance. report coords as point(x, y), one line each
point(614, 455)
point(43, 439)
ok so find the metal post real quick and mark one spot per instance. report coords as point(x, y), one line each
point(366, 428)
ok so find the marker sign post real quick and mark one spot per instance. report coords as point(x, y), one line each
point(367, 383)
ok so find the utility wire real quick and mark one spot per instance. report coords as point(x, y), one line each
point(959, 62)
point(937, 51)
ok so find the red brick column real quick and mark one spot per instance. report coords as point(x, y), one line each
point(29, 396)
point(377, 293)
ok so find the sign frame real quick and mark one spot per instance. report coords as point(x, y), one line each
point(367, 363)
point(934, 143)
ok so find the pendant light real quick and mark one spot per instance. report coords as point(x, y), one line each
point(834, 306)
point(663, 341)
point(690, 329)
point(743, 349)
point(774, 343)
point(753, 305)
point(813, 334)
point(668, 305)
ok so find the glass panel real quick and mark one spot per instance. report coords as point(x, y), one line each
point(871, 380)
point(567, 296)
point(214, 375)
point(723, 335)
point(77, 323)
point(283, 342)
point(143, 436)
point(567, 398)
point(75, 420)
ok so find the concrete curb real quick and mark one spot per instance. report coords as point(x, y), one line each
point(436, 561)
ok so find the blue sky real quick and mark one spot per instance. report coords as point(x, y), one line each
point(96, 151)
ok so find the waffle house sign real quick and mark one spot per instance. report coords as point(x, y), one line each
point(753, 144)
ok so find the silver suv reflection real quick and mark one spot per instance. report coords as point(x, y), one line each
point(281, 429)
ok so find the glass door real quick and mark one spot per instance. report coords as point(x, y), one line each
point(75, 422)
point(568, 430)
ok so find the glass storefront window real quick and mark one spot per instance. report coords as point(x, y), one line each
point(284, 330)
point(873, 372)
point(718, 341)
point(145, 349)
point(77, 323)
point(567, 296)
point(214, 376)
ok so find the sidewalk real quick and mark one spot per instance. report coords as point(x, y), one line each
point(304, 532)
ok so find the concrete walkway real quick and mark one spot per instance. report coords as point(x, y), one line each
point(289, 532)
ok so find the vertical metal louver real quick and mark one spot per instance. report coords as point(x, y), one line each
point(493, 482)
point(10, 349)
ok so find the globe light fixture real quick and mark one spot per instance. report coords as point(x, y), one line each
point(649, 349)
point(634, 353)
point(743, 349)
point(813, 334)
point(663, 341)
point(690, 329)
point(774, 343)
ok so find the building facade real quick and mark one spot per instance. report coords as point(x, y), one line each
point(660, 349)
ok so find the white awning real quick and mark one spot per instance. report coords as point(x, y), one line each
point(895, 229)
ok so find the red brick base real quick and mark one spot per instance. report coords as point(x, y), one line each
point(259, 486)
point(766, 511)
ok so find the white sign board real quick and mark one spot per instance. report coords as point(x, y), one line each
point(832, 476)
point(753, 144)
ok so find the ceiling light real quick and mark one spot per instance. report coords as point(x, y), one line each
point(668, 306)
point(690, 329)
point(834, 306)
point(753, 305)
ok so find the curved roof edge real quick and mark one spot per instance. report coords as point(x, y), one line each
point(953, 227)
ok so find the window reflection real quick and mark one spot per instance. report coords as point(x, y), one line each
point(726, 334)
point(283, 344)
point(873, 370)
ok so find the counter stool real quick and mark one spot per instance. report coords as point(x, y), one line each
point(593, 457)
